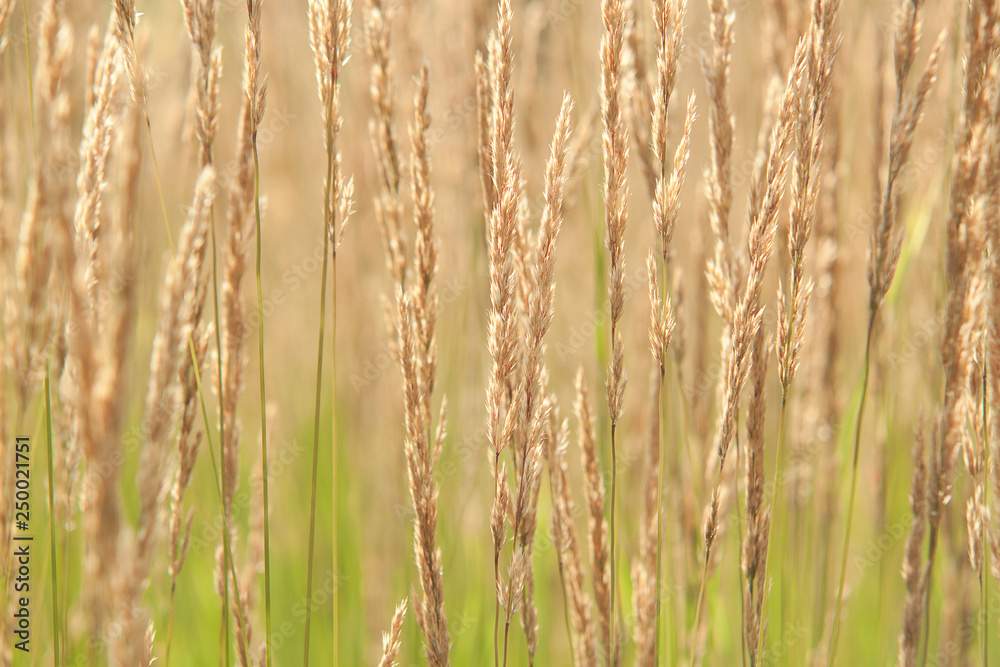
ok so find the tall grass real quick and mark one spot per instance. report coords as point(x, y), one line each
point(694, 522)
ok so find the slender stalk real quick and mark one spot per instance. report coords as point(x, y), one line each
point(496, 569)
point(170, 623)
point(668, 617)
point(510, 583)
point(315, 457)
point(263, 403)
point(661, 407)
point(336, 555)
point(328, 211)
point(928, 574)
point(506, 632)
point(674, 616)
point(159, 184)
point(496, 611)
point(854, 485)
point(222, 630)
point(57, 645)
point(739, 535)
point(775, 504)
point(698, 606)
point(613, 572)
point(984, 632)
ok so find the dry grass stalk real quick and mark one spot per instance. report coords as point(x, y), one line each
point(421, 455)
point(504, 173)
point(965, 236)
point(974, 452)
point(535, 415)
point(721, 272)
point(823, 392)
point(98, 340)
point(188, 437)
point(200, 21)
point(567, 545)
point(763, 226)
point(615, 152)
point(329, 37)
point(170, 345)
point(809, 128)
point(649, 105)
point(32, 320)
point(666, 202)
point(597, 524)
point(87, 368)
point(916, 583)
point(666, 205)
point(975, 440)
point(646, 569)
point(755, 546)
point(991, 210)
point(391, 640)
point(887, 233)
point(329, 34)
point(49, 191)
point(965, 244)
point(425, 300)
point(764, 206)
point(94, 151)
point(125, 19)
point(668, 16)
point(233, 321)
point(418, 360)
point(388, 201)
point(242, 603)
point(256, 91)
point(522, 412)
point(644, 588)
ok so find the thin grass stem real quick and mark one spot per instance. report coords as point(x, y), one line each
point(336, 482)
point(263, 400)
point(834, 636)
point(613, 576)
point(698, 606)
point(315, 457)
point(984, 626)
point(775, 504)
point(328, 209)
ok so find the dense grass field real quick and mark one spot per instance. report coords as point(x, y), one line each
point(510, 332)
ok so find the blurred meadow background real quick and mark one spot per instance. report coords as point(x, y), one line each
point(139, 155)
